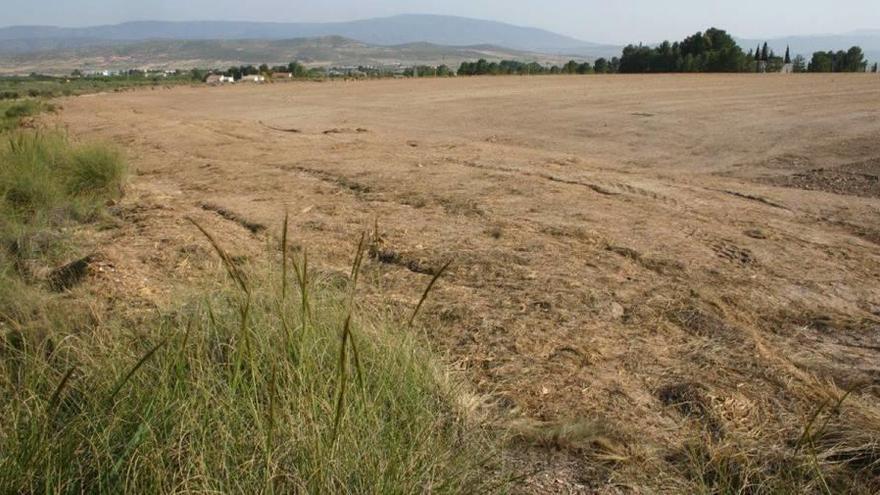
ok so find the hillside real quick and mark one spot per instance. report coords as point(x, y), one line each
point(388, 31)
point(329, 50)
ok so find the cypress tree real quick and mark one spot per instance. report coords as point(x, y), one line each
point(765, 52)
point(787, 55)
point(758, 53)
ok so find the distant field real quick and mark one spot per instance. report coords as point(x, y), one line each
point(660, 279)
point(12, 88)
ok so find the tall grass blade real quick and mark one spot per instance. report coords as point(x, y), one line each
point(358, 259)
point(133, 370)
point(53, 401)
point(342, 381)
point(231, 268)
point(284, 257)
point(427, 291)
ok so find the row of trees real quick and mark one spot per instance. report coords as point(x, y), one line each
point(483, 67)
point(717, 51)
point(712, 51)
point(852, 60)
point(766, 60)
point(428, 71)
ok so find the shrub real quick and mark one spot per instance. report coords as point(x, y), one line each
point(25, 108)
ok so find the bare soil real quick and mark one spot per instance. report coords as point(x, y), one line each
point(620, 244)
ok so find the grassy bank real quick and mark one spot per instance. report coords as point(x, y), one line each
point(243, 390)
point(272, 380)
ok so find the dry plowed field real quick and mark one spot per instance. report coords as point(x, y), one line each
point(650, 258)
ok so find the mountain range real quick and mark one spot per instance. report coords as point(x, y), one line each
point(388, 31)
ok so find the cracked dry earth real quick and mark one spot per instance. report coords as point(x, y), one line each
point(613, 238)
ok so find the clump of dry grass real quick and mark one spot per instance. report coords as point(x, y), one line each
point(835, 449)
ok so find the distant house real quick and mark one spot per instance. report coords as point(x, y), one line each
point(282, 75)
point(254, 78)
point(217, 79)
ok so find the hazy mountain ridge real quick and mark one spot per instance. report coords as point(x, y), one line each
point(389, 31)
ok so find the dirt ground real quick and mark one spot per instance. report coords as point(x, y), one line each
point(617, 242)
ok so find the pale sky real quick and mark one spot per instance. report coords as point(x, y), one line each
point(608, 21)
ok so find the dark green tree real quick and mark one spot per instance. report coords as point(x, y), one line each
point(297, 69)
point(601, 66)
point(765, 52)
point(787, 55)
point(852, 60)
point(821, 62)
point(712, 51)
point(855, 60)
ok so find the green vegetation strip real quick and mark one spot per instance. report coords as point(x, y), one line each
point(41, 86)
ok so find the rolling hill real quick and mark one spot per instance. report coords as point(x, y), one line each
point(327, 50)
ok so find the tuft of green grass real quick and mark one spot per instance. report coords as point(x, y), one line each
point(239, 390)
point(12, 113)
point(96, 170)
point(47, 183)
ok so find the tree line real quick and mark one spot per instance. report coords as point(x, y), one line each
point(483, 67)
point(852, 60)
point(716, 51)
point(712, 51)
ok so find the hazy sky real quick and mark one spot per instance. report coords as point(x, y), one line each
point(614, 21)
